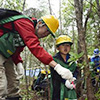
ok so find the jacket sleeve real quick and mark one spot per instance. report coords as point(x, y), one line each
point(26, 29)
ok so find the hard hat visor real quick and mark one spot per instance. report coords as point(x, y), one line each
point(51, 22)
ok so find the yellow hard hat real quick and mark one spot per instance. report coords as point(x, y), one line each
point(43, 72)
point(63, 39)
point(98, 70)
point(51, 22)
point(89, 56)
point(48, 71)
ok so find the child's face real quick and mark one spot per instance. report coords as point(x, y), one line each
point(64, 48)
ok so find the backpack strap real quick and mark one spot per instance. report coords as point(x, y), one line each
point(13, 18)
point(34, 20)
point(5, 30)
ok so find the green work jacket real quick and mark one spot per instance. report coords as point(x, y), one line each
point(58, 89)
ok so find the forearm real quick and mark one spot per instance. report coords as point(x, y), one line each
point(52, 63)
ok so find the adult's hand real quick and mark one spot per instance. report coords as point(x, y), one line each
point(20, 69)
point(64, 72)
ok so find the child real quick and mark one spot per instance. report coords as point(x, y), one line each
point(62, 89)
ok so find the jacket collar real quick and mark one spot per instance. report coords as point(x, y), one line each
point(58, 56)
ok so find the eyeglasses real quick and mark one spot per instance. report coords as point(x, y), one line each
point(42, 24)
point(46, 27)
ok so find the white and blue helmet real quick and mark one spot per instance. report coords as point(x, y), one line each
point(96, 51)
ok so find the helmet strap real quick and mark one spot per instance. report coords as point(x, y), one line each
point(36, 31)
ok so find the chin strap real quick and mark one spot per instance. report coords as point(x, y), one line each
point(37, 27)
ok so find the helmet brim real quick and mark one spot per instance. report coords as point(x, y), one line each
point(50, 32)
point(64, 43)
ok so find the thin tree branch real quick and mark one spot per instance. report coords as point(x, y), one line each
point(88, 15)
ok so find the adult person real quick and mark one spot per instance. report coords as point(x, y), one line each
point(30, 31)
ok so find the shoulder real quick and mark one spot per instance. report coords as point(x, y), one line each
point(24, 24)
point(24, 21)
point(92, 57)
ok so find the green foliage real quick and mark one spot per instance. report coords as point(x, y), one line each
point(13, 4)
point(98, 94)
point(68, 13)
point(43, 6)
point(68, 20)
point(74, 57)
point(86, 99)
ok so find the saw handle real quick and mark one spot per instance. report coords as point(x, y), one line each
point(73, 84)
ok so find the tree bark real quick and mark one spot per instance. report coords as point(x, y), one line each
point(98, 7)
point(50, 7)
point(24, 5)
point(60, 31)
point(98, 34)
point(82, 47)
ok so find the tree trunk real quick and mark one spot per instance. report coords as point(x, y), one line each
point(80, 42)
point(98, 7)
point(60, 31)
point(90, 93)
point(73, 32)
point(26, 80)
point(82, 47)
point(24, 5)
point(50, 7)
point(98, 34)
